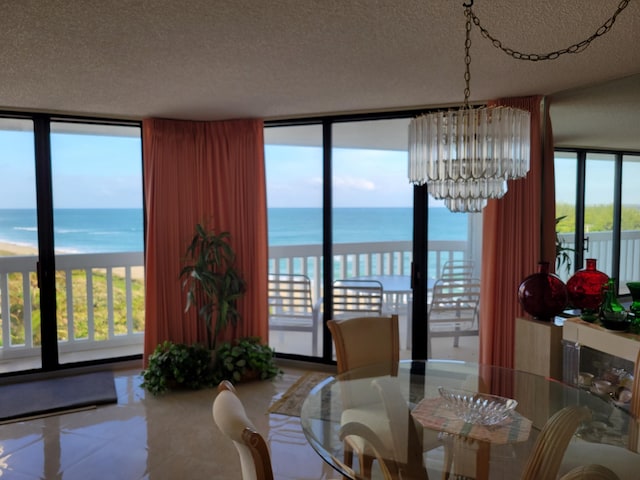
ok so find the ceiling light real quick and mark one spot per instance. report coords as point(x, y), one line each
point(465, 156)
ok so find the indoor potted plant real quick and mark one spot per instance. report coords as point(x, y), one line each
point(212, 282)
point(245, 359)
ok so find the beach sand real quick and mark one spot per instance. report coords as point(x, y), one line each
point(11, 249)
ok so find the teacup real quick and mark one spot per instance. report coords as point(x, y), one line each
point(585, 379)
point(602, 386)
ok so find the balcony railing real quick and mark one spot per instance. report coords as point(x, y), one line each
point(121, 327)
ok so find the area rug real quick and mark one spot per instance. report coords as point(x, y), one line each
point(291, 401)
point(56, 395)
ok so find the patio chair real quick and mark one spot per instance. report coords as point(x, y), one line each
point(457, 270)
point(454, 308)
point(291, 308)
point(357, 298)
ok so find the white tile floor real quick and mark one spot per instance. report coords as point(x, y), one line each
point(144, 437)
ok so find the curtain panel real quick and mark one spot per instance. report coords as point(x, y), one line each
point(518, 232)
point(210, 173)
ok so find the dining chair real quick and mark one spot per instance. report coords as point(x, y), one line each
point(230, 417)
point(371, 346)
point(551, 444)
point(405, 458)
point(634, 407)
point(590, 472)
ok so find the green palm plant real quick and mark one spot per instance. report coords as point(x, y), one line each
point(563, 256)
point(212, 282)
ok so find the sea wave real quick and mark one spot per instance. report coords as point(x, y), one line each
point(26, 229)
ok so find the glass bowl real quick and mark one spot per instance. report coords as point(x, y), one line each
point(478, 408)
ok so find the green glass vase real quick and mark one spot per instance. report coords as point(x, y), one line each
point(613, 315)
point(634, 308)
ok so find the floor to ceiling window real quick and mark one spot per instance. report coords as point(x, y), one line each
point(598, 205)
point(339, 187)
point(71, 227)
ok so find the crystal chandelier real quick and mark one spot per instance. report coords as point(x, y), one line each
point(466, 156)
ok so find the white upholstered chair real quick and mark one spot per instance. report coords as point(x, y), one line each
point(230, 417)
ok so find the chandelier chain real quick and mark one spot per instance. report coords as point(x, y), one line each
point(467, 58)
point(535, 57)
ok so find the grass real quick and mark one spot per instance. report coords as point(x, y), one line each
point(81, 309)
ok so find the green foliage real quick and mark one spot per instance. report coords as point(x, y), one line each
point(176, 365)
point(211, 281)
point(597, 218)
point(562, 252)
point(80, 311)
point(173, 365)
point(244, 359)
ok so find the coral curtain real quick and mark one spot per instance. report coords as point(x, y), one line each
point(518, 232)
point(210, 173)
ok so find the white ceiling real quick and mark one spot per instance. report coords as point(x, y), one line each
point(222, 59)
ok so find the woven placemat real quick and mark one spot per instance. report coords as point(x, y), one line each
point(291, 401)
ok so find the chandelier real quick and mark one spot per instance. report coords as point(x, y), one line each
point(465, 156)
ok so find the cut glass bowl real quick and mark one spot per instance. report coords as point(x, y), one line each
point(478, 408)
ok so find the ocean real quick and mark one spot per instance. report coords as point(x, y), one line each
point(120, 230)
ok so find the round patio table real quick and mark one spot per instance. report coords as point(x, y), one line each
point(400, 413)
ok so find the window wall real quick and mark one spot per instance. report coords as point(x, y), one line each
point(71, 241)
point(341, 209)
point(598, 207)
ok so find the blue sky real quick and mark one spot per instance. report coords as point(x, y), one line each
point(89, 171)
point(101, 171)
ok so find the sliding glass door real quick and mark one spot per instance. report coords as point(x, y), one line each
point(372, 222)
point(98, 238)
point(71, 242)
point(20, 313)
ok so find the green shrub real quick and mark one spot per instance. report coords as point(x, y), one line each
point(245, 359)
point(175, 365)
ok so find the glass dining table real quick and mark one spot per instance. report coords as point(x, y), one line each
point(399, 412)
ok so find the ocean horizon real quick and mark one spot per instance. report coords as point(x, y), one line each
point(95, 230)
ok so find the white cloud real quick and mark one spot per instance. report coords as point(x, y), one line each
point(354, 183)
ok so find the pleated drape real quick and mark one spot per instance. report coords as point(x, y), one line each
point(518, 232)
point(210, 173)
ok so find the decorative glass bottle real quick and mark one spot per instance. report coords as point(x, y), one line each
point(543, 295)
point(613, 315)
point(585, 290)
point(634, 308)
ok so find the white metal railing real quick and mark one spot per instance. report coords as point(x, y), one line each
point(350, 259)
point(355, 259)
point(600, 246)
point(22, 270)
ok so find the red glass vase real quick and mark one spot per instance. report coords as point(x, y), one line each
point(586, 290)
point(543, 295)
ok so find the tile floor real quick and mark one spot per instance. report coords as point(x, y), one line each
point(144, 437)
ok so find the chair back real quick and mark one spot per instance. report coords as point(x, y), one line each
point(551, 444)
point(354, 298)
point(634, 408)
point(454, 307)
point(457, 270)
point(406, 433)
point(366, 342)
point(230, 417)
point(291, 307)
point(590, 472)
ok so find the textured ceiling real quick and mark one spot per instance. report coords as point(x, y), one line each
point(221, 59)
